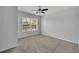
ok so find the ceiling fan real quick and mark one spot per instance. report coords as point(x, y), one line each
point(41, 10)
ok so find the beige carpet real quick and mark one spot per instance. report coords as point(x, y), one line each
point(44, 44)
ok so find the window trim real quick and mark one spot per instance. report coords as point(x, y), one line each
point(30, 18)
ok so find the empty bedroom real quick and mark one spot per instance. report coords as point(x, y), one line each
point(39, 29)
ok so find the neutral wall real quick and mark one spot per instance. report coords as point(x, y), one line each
point(61, 24)
point(77, 16)
point(25, 34)
point(1, 17)
point(8, 27)
point(77, 21)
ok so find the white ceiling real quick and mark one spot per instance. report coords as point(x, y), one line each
point(51, 9)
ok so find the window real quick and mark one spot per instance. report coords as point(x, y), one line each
point(29, 24)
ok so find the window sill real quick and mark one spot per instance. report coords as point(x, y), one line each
point(28, 31)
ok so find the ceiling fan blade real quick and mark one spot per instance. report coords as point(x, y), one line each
point(43, 12)
point(44, 9)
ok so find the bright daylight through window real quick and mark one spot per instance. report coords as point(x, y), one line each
point(29, 24)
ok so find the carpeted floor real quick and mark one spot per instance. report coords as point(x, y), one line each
point(43, 44)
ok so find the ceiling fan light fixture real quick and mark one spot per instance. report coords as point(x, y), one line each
point(41, 10)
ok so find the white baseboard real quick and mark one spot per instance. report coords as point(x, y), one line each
point(26, 35)
point(7, 48)
point(60, 38)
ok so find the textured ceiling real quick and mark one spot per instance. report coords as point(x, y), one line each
point(51, 9)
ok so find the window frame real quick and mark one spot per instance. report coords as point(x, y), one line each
point(31, 19)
